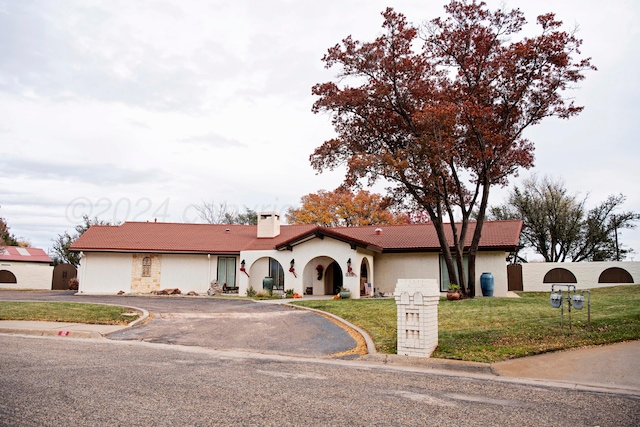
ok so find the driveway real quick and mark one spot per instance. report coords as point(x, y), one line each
point(221, 324)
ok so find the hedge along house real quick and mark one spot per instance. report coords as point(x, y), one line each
point(139, 257)
point(25, 268)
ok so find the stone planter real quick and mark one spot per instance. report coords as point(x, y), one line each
point(345, 294)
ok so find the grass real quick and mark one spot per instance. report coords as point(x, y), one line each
point(66, 312)
point(494, 329)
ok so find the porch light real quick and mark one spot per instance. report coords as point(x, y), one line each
point(242, 263)
point(349, 263)
point(292, 263)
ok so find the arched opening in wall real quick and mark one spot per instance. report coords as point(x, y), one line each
point(7, 277)
point(333, 279)
point(615, 275)
point(277, 273)
point(365, 284)
point(559, 275)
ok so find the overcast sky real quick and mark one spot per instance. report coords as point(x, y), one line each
point(135, 110)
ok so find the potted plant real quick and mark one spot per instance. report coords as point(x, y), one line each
point(345, 293)
point(453, 293)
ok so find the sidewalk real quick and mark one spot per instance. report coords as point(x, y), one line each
point(63, 329)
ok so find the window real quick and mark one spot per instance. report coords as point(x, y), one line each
point(146, 267)
point(444, 273)
point(276, 271)
point(227, 271)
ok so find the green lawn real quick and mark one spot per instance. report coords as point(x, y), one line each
point(66, 312)
point(494, 329)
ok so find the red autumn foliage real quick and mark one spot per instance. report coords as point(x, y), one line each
point(444, 123)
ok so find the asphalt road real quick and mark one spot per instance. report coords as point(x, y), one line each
point(57, 382)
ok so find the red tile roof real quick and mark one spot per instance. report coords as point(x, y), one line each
point(422, 237)
point(15, 253)
point(231, 239)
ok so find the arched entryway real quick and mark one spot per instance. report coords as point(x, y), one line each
point(7, 277)
point(333, 279)
point(365, 281)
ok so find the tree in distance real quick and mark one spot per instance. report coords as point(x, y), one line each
point(557, 225)
point(60, 248)
point(9, 239)
point(342, 208)
point(221, 213)
point(444, 123)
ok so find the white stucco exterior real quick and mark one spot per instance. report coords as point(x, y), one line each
point(307, 257)
point(586, 273)
point(104, 273)
point(28, 275)
point(108, 273)
point(496, 264)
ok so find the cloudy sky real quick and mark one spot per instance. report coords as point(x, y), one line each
point(135, 110)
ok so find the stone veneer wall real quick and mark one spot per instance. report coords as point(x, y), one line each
point(145, 285)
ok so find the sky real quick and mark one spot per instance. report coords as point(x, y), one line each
point(141, 110)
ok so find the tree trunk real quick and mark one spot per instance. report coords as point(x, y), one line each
point(446, 251)
point(477, 234)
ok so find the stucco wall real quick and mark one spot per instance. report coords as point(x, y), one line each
point(28, 275)
point(496, 264)
point(105, 273)
point(587, 273)
point(188, 272)
point(388, 268)
point(307, 256)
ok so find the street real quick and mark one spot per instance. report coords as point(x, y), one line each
point(82, 382)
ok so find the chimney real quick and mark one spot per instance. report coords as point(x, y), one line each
point(268, 225)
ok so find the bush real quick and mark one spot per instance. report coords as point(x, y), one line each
point(73, 284)
point(251, 292)
point(289, 293)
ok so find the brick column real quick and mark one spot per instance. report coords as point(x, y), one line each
point(417, 304)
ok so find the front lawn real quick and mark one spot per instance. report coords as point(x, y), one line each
point(67, 312)
point(494, 329)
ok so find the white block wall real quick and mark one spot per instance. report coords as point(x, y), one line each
point(587, 273)
point(29, 275)
point(417, 306)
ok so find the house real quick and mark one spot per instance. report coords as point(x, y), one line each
point(25, 268)
point(140, 257)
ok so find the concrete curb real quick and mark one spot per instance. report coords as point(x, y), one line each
point(431, 363)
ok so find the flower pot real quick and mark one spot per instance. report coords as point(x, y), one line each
point(345, 294)
point(453, 296)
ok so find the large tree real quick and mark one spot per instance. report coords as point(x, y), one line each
point(443, 124)
point(343, 208)
point(557, 225)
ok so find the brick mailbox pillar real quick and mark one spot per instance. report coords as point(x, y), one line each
point(417, 304)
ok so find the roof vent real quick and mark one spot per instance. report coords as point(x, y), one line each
point(378, 231)
point(227, 230)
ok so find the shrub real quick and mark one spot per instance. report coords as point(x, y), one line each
point(73, 284)
point(251, 292)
